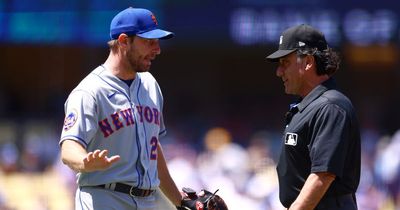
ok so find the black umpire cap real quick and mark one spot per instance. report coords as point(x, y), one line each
point(299, 37)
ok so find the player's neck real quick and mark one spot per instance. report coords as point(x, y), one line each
point(117, 69)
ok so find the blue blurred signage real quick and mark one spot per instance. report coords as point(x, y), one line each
point(358, 26)
point(241, 22)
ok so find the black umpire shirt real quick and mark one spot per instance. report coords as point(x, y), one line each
point(322, 136)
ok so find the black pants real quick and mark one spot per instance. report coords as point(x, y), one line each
point(341, 202)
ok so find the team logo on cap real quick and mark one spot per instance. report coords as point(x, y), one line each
point(70, 120)
point(291, 139)
point(280, 40)
point(154, 19)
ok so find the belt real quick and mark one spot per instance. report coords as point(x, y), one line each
point(124, 188)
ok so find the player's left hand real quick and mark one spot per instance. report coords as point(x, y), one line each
point(98, 160)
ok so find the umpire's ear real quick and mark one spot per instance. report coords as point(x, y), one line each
point(309, 62)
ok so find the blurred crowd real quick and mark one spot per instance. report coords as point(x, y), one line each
point(33, 177)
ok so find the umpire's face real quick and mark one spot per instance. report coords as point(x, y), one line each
point(291, 70)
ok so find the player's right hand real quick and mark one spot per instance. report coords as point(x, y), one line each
point(98, 160)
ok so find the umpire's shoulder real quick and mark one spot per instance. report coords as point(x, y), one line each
point(338, 98)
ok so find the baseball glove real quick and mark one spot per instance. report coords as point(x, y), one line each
point(204, 200)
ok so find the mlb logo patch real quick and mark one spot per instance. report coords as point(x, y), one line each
point(70, 120)
point(291, 139)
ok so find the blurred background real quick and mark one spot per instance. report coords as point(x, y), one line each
point(224, 106)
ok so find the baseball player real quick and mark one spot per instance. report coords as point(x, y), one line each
point(114, 121)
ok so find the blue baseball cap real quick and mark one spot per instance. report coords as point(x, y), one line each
point(139, 22)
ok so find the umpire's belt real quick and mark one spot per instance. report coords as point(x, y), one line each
point(124, 188)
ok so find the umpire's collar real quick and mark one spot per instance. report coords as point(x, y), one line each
point(316, 92)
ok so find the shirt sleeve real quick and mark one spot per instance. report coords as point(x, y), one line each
point(163, 129)
point(80, 123)
point(330, 140)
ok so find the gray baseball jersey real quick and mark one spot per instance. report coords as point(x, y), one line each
point(102, 112)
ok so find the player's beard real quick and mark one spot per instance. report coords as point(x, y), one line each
point(135, 61)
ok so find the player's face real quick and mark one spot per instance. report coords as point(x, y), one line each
point(291, 71)
point(142, 52)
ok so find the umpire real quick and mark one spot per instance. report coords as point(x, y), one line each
point(319, 165)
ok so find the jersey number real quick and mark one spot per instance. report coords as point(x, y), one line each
point(153, 152)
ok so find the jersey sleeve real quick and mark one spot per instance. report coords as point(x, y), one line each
point(330, 140)
point(80, 123)
point(163, 129)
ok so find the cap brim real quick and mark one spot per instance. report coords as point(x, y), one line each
point(274, 57)
point(156, 34)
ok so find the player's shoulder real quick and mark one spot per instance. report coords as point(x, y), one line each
point(146, 76)
point(88, 83)
point(93, 78)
